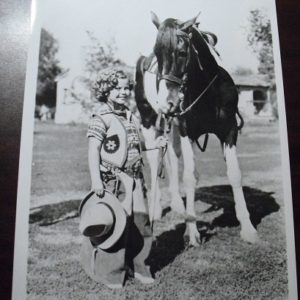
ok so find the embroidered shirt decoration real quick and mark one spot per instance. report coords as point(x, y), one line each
point(111, 144)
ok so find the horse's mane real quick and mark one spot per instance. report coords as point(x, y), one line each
point(166, 43)
point(205, 57)
point(166, 36)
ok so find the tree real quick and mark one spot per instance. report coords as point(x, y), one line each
point(48, 70)
point(260, 40)
point(99, 56)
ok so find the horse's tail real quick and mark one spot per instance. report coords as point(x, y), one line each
point(139, 70)
point(148, 115)
point(139, 73)
point(241, 125)
point(139, 65)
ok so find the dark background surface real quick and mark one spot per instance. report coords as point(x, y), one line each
point(14, 36)
point(288, 13)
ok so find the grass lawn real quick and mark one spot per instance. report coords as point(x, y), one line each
point(223, 267)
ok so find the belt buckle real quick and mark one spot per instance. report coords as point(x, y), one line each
point(117, 171)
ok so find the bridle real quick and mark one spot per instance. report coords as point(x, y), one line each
point(171, 77)
point(182, 81)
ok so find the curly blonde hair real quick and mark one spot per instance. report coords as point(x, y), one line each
point(106, 81)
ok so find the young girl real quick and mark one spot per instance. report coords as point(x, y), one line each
point(115, 164)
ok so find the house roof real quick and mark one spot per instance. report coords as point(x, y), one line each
point(250, 80)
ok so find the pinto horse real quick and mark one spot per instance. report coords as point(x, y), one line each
point(182, 84)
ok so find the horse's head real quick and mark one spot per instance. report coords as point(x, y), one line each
point(173, 52)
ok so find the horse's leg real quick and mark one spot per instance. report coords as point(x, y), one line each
point(189, 184)
point(197, 171)
point(171, 161)
point(248, 232)
point(155, 209)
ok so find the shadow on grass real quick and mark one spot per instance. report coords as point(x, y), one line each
point(167, 246)
point(259, 203)
point(53, 213)
point(171, 243)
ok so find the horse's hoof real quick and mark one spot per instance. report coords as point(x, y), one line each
point(194, 242)
point(250, 236)
point(194, 238)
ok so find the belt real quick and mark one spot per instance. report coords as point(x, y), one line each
point(110, 172)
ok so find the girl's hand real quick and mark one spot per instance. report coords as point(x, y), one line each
point(98, 188)
point(161, 142)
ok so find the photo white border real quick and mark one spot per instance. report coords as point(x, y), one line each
point(285, 160)
point(26, 149)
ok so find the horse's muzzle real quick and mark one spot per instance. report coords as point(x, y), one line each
point(168, 97)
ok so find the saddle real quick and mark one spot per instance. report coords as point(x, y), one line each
point(209, 37)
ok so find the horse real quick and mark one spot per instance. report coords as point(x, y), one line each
point(182, 84)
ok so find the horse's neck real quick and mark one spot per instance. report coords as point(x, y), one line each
point(204, 56)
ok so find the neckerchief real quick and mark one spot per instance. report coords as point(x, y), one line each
point(119, 112)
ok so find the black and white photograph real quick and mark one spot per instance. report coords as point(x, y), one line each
point(154, 157)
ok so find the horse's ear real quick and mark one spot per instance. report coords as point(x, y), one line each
point(186, 25)
point(155, 19)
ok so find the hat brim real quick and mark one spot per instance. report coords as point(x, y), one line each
point(120, 216)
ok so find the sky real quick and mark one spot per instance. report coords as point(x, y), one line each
point(129, 23)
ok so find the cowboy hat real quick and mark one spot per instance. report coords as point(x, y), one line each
point(103, 220)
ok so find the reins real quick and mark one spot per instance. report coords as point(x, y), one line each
point(183, 112)
point(160, 163)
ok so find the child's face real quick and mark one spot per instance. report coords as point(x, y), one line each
point(121, 92)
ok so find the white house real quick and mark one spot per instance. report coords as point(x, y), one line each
point(73, 94)
point(254, 95)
